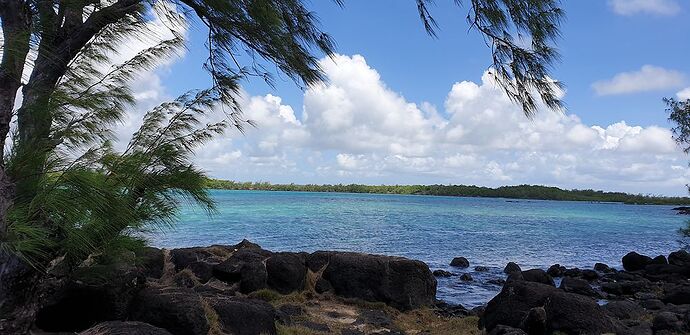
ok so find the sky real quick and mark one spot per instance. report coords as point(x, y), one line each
point(400, 107)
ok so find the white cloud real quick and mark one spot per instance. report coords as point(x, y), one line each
point(684, 94)
point(648, 78)
point(356, 129)
point(656, 7)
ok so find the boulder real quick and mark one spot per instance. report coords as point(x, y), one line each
point(661, 259)
point(178, 310)
point(556, 270)
point(575, 314)
point(460, 262)
point(95, 293)
point(677, 295)
point(635, 262)
point(183, 257)
point(124, 328)
point(150, 261)
point(680, 258)
point(286, 272)
point(577, 286)
point(601, 267)
point(399, 282)
point(481, 269)
point(538, 276)
point(589, 275)
point(535, 321)
point(513, 303)
point(511, 267)
point(573, 272)
point(624, 309)
point(246, 267)
point(240, 316)
point(565, 312)
point(667, 321)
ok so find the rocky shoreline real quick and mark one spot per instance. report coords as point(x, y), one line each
point(244, 289)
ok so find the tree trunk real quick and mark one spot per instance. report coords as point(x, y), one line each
point(18, 296)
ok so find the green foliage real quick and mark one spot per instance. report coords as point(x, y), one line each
point(513, 192)
point(679, 115)
point(521, 35)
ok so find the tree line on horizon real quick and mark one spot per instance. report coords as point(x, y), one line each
point(533, 192)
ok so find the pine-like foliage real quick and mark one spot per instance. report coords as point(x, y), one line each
point(521, 34)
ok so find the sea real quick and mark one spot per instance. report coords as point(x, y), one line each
point(489, 232)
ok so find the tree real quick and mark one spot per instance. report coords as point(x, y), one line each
point(68, 104)
point(679, 115)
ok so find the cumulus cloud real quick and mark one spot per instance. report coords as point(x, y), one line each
point(647, 78)
point(684, 94)
point(357, 129)
point(656, 7)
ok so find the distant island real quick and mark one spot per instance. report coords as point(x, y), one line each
point(533, 192)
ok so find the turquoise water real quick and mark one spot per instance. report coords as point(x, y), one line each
point(487, 231)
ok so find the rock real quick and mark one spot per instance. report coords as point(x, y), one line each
point(466, 277)
point(400, 282)
point(241, 316)
point(150, 261)
point(505, 330)
point(185, 278)
point(374, 317)
point(538, 276)
point(202, 270)
point(535, 321)
point(678, 295)
point(498, 282)
point(624, 287)
point(460, 262)
point(601, 267)
point(565, 312)
point(442, 273)
point(246, 267)
point(577, 286)
point(183, 257)
point(288, 312)
point(447, 310)
point(635, 262)
point(652, 304)
point(667, 321)
point(96, 293)
point(624, 309)
point(178, 310)
point(124, 328)
point(286, 272)
point(661, 259)
point(680, 258)
point(481, 269)
point(590, 275)
point(315, 326)
point(511, 267)
point(574, 272)
point(556, 270)
point(575, 314)
point(666, 272)
point(513, 303)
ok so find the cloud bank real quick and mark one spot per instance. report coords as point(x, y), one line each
point(356, 129)
point(646, 79)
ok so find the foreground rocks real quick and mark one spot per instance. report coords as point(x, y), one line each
point(223, 289)
point(651, 296)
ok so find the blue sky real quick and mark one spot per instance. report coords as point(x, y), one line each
point(619, 59)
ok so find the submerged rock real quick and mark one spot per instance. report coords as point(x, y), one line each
point(466, 277)
point(460, 262)
point(442, 273)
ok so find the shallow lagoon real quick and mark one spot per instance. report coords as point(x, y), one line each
point(487, 231)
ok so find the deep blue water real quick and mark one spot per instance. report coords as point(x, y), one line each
point(487, 231)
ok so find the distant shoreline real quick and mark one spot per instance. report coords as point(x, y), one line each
point(523, 192)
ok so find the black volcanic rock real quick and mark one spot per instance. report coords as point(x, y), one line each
point(460, 262)
point(635, 262)
point(511, 267)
